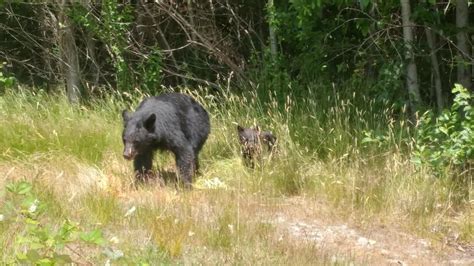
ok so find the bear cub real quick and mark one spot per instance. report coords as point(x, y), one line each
point(173, 122)
point(251, 141)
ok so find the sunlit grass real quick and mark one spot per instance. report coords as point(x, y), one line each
point(101, 207)
point(40, 123)
point(353, 156)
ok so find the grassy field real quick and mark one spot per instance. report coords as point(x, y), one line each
point(335, 162)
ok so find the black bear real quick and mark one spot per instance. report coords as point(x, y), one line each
point(251, 140)
point(170, 121)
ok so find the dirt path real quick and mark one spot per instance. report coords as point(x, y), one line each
point(299, 221)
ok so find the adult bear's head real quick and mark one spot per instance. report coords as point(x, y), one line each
point(138, 132)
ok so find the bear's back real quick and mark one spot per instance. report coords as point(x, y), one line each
point(181, 102)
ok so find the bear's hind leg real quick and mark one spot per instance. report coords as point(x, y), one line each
point(184, 163)
point(196, 162)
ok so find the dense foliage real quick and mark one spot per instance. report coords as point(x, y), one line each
point(128, 45)
point(448, 139)
point(39, 243)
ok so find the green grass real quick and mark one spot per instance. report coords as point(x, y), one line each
point(101, 208)
point(347, 153)
point(36, 123)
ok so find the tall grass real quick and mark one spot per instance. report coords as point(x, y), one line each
point(37, 123)
point(347, 151)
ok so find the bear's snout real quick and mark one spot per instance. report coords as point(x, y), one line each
point(129, 153)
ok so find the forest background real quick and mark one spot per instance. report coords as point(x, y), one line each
point(371, 102)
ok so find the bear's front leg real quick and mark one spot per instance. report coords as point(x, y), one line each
point(142, 165)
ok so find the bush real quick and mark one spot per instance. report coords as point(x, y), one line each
point(448, 139)
point(41, 242)
point(6, 81)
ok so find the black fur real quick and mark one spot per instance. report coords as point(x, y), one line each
point(171, 121)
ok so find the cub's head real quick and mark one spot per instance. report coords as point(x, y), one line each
point(137, 135)
point(249, 140)
point(248, 136)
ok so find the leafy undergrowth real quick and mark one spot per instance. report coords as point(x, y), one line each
point(353, 162)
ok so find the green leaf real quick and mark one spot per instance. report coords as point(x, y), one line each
point(416, 159)
point(45, 262)
point(61, 259)
point(36, 246)
point(33, 255)
point(31, 221)
point(24, 188)
point(364, 4)
point(21, 256)
point(23, 240)
point(66, 230)
point(93, 237)
point(444, 130)
point(20, 188)
point(367, 140)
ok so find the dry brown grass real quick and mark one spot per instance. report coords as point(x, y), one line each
point(377, 192)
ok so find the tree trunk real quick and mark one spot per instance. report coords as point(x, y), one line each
point(411, 72)
point(47, 27)
point(193, 24)
point(261, 24)
point(272, 34)
point(69, 56)
point(91, 55)
point(436, 73)
point(472, 53)
point(463, 66)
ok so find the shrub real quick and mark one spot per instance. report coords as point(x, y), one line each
point(36, 240)
point(447, 139)
point(6, 81)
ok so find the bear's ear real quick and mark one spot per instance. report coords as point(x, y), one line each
point(125, 115)
point(239, 128)
point(150, 123)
